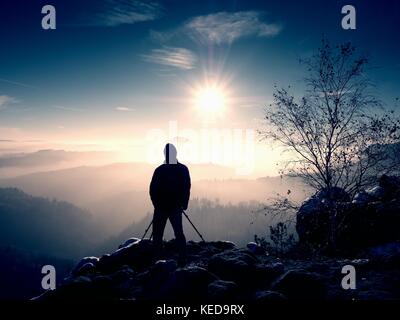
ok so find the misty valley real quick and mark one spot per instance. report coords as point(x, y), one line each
point(48, 218)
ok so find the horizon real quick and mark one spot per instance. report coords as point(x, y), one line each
point(102, 81)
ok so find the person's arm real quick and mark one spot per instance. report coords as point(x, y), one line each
point(154, 188)
point(186, 189)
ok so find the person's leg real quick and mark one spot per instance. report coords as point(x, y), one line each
point(176, 221)
point(159, 222)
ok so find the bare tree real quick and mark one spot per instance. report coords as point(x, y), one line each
point(338, 130)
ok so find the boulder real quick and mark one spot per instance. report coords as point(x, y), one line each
point(362, 197)
point(300, 285)
point(128, 242)
point(315, 215)
point(391, 186)
point(331, 221)
point(375, 193)
point(165, 266)
point(388, 254)
point(102, 288)
point(82, 262)
point(187, 284)
point(366, 225)
point(157, 275)
point(123, 274)
point(86, 269)
point(268, 296)
point(223, 245)
point(138, 255)
point(256, 248)
point(233, 265)
point(222, 290)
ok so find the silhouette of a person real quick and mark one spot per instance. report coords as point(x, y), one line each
point(170, 193)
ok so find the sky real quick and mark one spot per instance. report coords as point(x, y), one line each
point(129, 75)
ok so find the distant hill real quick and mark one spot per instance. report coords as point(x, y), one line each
point(44, 226)
point(117, 194)
point(20, 272)
point(13, 164)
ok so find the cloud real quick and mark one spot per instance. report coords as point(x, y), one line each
point(118, 12)
point(175, 57)
point(124, 109)
point(68, 108)
point(227, 27)
point(18, 83)
point(5, 101)
point(47, 157)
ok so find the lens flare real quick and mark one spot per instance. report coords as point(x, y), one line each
point(210, 100)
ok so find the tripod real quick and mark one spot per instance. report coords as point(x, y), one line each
point(184, 213)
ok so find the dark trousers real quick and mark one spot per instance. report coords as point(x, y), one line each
point(160, 220)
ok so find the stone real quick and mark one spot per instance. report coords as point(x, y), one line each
point(300, 285)
point(128, 242)
point(388, 254)
point(268, 296)
point(233, 265)
point(256, 248)
point(222, 290)
point(188, 284)
point(83, 261)
point(87, 268)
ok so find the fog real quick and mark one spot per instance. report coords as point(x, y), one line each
point(116, 194)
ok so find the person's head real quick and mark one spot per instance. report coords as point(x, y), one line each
point(170, 154)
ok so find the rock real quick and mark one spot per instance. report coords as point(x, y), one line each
point(128, 242)
point(103, 288)
point(375, 295)
point(276, 268)
point(391, 185)
point(233, 275)
point(376, 193)
point(224, 245)
point(107, 264)
point(193, 247)
point(233, 265)
point(123, 274)
point(334, 194)
point(255, 248)
point(92, 260)
point(222, 290)
point(360, 262)
point(82, 279)
point(328, 220)
point(156, 277)
point(102, 281)
point(138, 255)
point(188, 284)
point(165, 266)
point(268, 296)
point(362, 197)
point(315, 214)
point(48, 295)
point(241, 267)
point(370, 224)
point(388, 188)
point(87, 268)
point(388, 254)
point(300, 285)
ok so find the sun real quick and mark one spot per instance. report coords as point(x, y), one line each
point(210, 100)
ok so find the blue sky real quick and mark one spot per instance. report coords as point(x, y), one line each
point(118, 67)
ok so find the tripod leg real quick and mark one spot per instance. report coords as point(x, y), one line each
point(194, 227)
point(151, 223)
